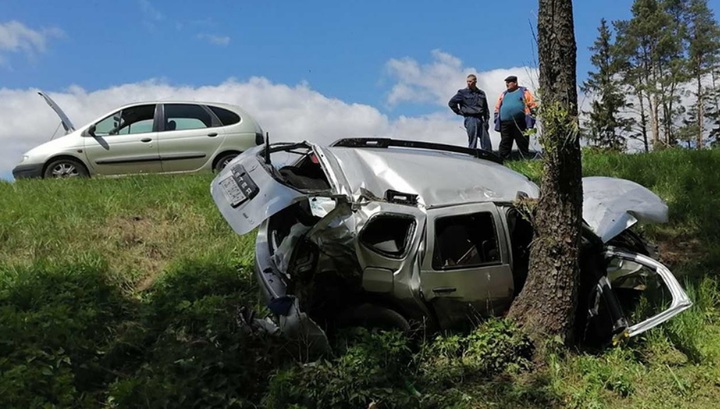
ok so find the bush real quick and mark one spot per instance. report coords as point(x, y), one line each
point(189, 350)
point(372, 367)
point(56, 322)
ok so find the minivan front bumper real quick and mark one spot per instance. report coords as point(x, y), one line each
point(27, 171)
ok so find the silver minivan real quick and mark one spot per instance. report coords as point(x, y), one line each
point(145, 137)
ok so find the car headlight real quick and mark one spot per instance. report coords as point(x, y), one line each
point(24, 158)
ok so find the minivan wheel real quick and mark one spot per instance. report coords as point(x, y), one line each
point(374, 317)
point(223, 161)
point(65, 168)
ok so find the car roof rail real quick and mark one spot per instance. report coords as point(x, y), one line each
point(388, 142)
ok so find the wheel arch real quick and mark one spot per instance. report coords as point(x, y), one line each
point(65, 156)
point(222, 154)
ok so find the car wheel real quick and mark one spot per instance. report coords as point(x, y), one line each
point(374, 317)
point(223, 161)
point(65, 168)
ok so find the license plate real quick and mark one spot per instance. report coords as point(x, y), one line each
point(232, 191)
point(238, 186)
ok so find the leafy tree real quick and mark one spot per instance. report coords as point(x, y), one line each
point(703, 35)
point(606, 126)
point(648, 43)
point(547, 303)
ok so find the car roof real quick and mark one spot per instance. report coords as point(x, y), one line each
point(179, 101)
point(438, 177)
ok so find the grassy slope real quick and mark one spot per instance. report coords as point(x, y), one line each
point(115, 292)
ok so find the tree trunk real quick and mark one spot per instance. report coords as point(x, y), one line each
point(700, 113)
point(643, 122)
point(547, 304)
point(655, 120)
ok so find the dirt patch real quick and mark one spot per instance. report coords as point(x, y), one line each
point(140, 243)
point(679, 249)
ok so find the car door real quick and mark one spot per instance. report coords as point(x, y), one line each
point(189, 137)
point(387, 248)
point(646, 290)
point(466, 270)
point(124, 142)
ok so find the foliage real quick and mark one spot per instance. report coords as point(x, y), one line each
point(605, 126)
point(84, 323)
point(663, 63)
point(372, 367)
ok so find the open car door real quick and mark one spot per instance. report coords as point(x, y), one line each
point(660, 295)
point(637, 294)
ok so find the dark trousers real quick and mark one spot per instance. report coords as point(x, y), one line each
point(477, 131)
point(513, 130)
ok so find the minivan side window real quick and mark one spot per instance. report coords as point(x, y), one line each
point(463, 241)
point(226, 117)
point(186, 116)
point(388, 234)
point(129, 121)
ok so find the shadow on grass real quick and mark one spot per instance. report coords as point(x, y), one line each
point(70, 337)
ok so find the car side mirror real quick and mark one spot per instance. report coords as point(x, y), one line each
point(91, 130)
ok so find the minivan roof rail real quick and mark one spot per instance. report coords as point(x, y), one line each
point(388, 142)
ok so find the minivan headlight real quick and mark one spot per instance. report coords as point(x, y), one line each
point(24, 158)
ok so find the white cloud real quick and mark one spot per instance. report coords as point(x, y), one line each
point(16, 37)
point(288, 112)
point(150, 15)
point(436, 82)
point(215, 39)
point(149, 11)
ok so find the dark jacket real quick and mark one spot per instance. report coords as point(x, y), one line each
point(470, 103)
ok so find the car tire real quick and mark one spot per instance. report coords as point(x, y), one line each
point(373, 316)
point(65, 168)
point(223, 161)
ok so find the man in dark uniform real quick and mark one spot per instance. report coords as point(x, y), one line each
point(471, 103)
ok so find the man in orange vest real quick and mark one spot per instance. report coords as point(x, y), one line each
point(514, 114)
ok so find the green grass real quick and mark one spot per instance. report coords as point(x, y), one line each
point(124, 293)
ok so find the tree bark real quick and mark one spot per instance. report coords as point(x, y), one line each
point(547, 304)
point(700, 114)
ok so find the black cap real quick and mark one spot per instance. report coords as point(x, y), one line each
point(511, 78)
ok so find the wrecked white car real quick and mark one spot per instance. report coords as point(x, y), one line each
point(383, 232)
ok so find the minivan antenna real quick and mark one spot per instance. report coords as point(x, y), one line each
point(267, 148)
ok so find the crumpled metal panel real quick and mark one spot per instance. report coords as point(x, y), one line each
point(438, 178)
point(272, 197)
point(680, 300)
point(611, 205)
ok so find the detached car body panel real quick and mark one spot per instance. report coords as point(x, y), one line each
point(402, 230)
point(145, 137)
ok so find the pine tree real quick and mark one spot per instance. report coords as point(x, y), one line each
point(547, 303)
point(606, 126)
point(648, 44)
point(704, 56)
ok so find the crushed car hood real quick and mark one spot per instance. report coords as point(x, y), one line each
point(611, 205)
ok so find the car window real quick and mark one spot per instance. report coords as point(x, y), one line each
point(388, 234)
point(465, 241)
point(132, 120)
point(225, 116)
point(186, 116)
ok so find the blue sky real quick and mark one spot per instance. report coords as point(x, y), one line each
point(392, 63)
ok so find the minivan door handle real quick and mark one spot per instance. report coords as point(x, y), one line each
point(146, 140)
point(212, 134)
point(444, 290)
